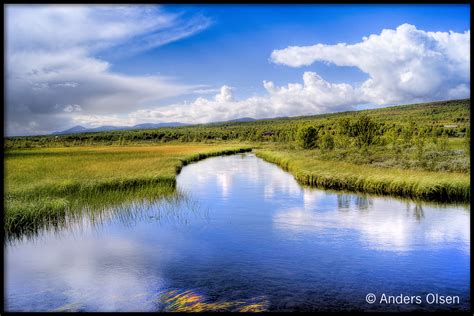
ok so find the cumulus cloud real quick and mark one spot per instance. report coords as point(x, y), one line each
point(403, 65)
point(52, 63)
point(314, 95)
point(51, 69)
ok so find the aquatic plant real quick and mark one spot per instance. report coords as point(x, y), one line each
point(190, 301)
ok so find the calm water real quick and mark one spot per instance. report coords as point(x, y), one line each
point(248, 233)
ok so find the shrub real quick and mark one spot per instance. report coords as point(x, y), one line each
point(467, 141)
point(366, 131)
point(443, 143)
point(419, 141)
point(307, 137)
point(327, 142)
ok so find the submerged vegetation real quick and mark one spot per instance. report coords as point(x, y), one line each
point(189, 301)
point(418, 151)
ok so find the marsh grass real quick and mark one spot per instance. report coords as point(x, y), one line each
point(47, 187)
point(423, 185)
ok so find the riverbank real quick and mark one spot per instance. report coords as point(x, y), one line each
point(43, 185)
point(338, 175)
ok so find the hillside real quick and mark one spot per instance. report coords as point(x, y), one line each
point(446, 117)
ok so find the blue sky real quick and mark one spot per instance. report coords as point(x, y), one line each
point(238, 44)
point(223, 54)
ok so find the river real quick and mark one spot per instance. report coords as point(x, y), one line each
point(249, 236)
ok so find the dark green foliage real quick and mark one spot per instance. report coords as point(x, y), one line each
point(366, 131)
point(307, 137)
point(327, 142)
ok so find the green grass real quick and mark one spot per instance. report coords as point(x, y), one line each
point(44, 186)
point(434, 186)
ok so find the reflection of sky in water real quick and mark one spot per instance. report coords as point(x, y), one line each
point(257, 233)
point(383, 224)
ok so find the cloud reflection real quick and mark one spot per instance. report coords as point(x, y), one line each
point(102, 275)
point(381, 223)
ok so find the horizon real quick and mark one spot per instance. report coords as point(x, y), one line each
point(237, 120)
point(96, 65)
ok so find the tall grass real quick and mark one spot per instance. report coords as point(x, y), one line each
point(434, 186)
point(44, 186)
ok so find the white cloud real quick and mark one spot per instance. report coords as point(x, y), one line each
point(72, 108)
point(314, 95)
point(403, 65)
point(51, 58)
point(225, 95)
point(50, 67)
point(381, 223)
point(99, 120)
point(206, 90)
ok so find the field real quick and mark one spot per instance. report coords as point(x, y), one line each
point(419, 151)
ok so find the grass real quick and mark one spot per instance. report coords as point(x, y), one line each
point(43, 186)
point(424, 185)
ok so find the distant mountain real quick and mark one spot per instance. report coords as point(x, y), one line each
point(75, 129)
point(152, 125)
point(242, 119)
point(82, 129)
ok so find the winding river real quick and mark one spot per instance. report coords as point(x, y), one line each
point(247, 235)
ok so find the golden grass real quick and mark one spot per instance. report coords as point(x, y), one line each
point(43, 185)
point(435, 186)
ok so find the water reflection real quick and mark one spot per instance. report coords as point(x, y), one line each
point(246, 236)
point(174, 206)
point(380, 222)
point(416, 210)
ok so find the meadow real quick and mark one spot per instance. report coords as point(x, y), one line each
point(419, 151)
point(42, 186)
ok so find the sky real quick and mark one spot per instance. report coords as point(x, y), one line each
point(94, 65)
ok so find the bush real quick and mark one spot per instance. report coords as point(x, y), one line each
point(419, 141)
point(307, 137)
point(467, 141)
point(366, 131)
point(443, 143)
point(327, 142)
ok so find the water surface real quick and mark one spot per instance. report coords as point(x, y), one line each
point(251, 236)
